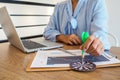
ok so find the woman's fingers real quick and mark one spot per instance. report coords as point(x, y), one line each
point(94, 46)
point(88, 43)
point(74, 39)
point(69, 42)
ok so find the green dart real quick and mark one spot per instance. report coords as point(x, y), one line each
point(85, 36)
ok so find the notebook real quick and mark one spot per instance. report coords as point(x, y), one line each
point(24, 45)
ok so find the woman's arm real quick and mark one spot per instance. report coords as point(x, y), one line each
point(51, 30)
point(97, 42)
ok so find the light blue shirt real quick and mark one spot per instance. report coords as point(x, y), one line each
point(91, 16)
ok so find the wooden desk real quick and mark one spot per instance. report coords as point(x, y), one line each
point(13, 63)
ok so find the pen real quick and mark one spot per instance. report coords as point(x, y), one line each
point(108, 52)
point(66, 51)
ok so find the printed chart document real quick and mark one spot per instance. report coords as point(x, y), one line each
point(59, 58)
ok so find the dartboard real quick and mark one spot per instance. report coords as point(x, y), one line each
point(83, 66)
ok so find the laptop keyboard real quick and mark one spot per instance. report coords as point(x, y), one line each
point(31, 45)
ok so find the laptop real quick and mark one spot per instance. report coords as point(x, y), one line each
point(24, 45)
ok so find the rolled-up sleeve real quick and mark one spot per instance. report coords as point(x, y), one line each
point(51, 31)
point(99, 26)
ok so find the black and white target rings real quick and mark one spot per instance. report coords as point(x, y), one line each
point(84, 66)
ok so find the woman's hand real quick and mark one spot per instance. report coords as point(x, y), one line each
point(69, 39)
point(93, 46)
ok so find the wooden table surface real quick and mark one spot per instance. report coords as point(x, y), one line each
point(13, 63)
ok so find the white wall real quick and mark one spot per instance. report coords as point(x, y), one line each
point(114, 17)
point(43, 1)
point(30, 20)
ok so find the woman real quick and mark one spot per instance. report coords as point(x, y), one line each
point(72, 17)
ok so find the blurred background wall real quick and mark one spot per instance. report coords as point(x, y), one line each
point(30, 17)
